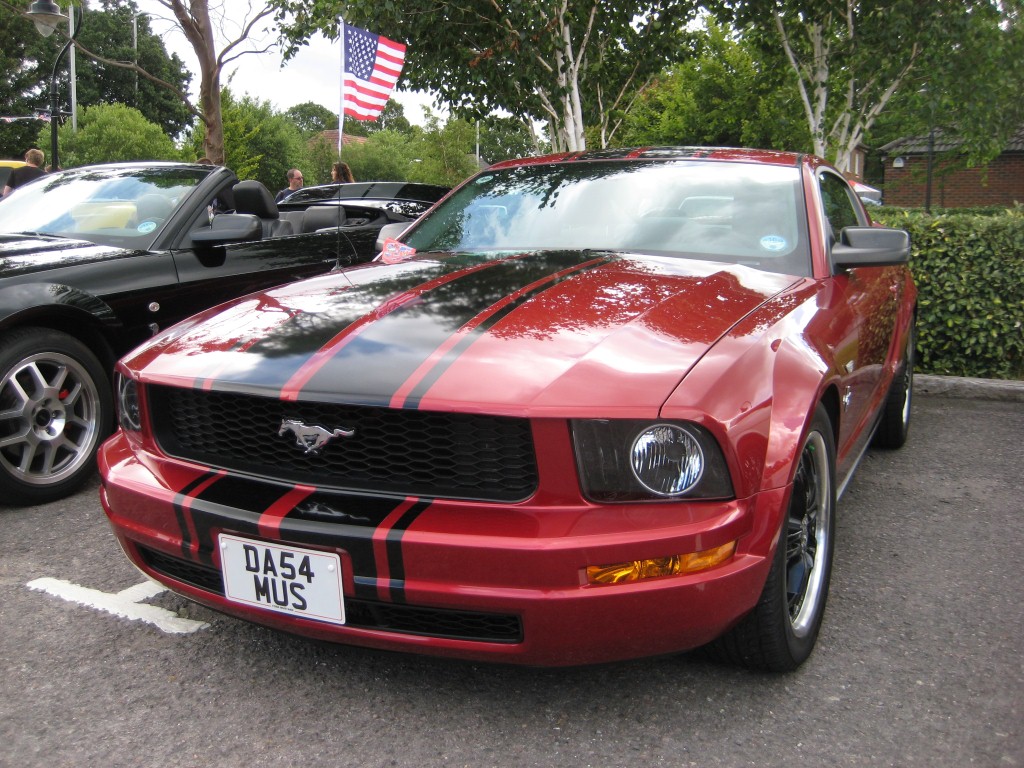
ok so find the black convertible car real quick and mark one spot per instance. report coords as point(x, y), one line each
point(95, 260)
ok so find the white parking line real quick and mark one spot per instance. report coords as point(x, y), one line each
point(127, 603)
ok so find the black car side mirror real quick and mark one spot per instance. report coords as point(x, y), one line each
point(229, 228)
point(870, 247)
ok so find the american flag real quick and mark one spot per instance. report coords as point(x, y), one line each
point(372, 66)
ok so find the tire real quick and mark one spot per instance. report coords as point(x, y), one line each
point(56, 408)
point(779, 634)
point(894, 425)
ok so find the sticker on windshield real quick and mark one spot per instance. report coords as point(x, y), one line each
point(773, 243)
point(145, 227)
point(395, 252)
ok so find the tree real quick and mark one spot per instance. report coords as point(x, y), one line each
point(385, 156)
point(969, 92)
point(726, 95)
point(112, 133)
point(533, 60)
point(504, 138)
point(850, 57)
point(194, 20)
point(23, 75)
point(443, 152)
point(312, 118)
point(392, 118)
point(261, 143)
point(109, 33)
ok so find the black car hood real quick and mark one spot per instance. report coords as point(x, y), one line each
point(26, 253)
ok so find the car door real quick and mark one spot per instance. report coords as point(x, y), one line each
point(209, 275)
point(865, 301)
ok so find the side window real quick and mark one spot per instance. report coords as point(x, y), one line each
point(839, 207)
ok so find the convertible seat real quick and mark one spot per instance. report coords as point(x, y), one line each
point(318, 217)
point(252, 197)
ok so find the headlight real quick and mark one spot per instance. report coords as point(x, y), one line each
point(667, 460)
point(631, 460)
point(129, 413)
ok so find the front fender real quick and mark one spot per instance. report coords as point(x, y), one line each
point(27, 303)
point(757, 388)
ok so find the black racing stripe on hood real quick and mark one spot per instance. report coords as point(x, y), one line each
point(286, 346)
point(421, 388)
point(372, 367)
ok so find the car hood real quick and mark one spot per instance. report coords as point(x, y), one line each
point(559, 332)
point(24, 253)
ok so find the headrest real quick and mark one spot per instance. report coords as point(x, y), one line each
point(322, 217)
point(253, 197)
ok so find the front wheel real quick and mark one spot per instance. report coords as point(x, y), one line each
point(779, 634)
point(895, 422)
point(55, 409)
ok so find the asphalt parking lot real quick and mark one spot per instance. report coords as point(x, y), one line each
point(920, 662)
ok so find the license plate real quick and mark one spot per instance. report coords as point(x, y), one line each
point(299, 582)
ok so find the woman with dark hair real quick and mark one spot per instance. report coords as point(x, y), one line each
point(340, 172)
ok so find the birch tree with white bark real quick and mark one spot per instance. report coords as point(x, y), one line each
point(542, 60)
point(851, 57)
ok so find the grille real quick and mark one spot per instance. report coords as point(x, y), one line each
point(401, 452)
point(367, 614)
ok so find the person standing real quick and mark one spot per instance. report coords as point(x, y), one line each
point(340, 172)
point(30, 172)
point(294, 177)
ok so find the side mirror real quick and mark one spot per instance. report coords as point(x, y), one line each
point(389, 231)
point(229, 228)
point(870, 247)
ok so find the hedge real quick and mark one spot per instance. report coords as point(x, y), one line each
point(969, 270)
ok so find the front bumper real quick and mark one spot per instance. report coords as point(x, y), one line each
point(478, 581)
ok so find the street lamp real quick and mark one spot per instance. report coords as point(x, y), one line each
point(47, 17)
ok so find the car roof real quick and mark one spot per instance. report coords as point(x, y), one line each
point(384, 190)
point(733, 154)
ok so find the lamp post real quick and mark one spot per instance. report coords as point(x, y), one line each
point(47, 17)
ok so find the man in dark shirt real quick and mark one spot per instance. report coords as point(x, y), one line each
point(294, 177)
point(27, 173)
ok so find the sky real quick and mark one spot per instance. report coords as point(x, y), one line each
point(312, 75)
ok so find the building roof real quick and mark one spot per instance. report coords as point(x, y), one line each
point(944, 142)
point(332, 137)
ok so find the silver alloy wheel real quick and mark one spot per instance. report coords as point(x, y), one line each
point(808, 534)
point(49, 410)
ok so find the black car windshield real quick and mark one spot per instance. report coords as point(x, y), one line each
point(110, 206)
point(739, 213)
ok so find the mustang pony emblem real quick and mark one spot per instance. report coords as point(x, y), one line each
point(311, 437)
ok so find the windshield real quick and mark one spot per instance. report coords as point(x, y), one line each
point(110, 206)
point(739, 213)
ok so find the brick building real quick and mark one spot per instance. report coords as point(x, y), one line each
point(905, 163)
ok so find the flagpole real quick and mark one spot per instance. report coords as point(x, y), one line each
point(341, 103)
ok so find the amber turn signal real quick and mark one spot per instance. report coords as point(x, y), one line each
point(621, 573)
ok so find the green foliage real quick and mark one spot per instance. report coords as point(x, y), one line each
point(111, 133)
point(531, 59)
point(385, 156)
point(725, 96)
point(504, 138)
point(259, 142)
point(969, 271)
point(437, 154)
point(312, 118)
point(24, 82)
point(109, 33)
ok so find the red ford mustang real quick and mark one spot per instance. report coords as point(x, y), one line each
point(591, 407)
